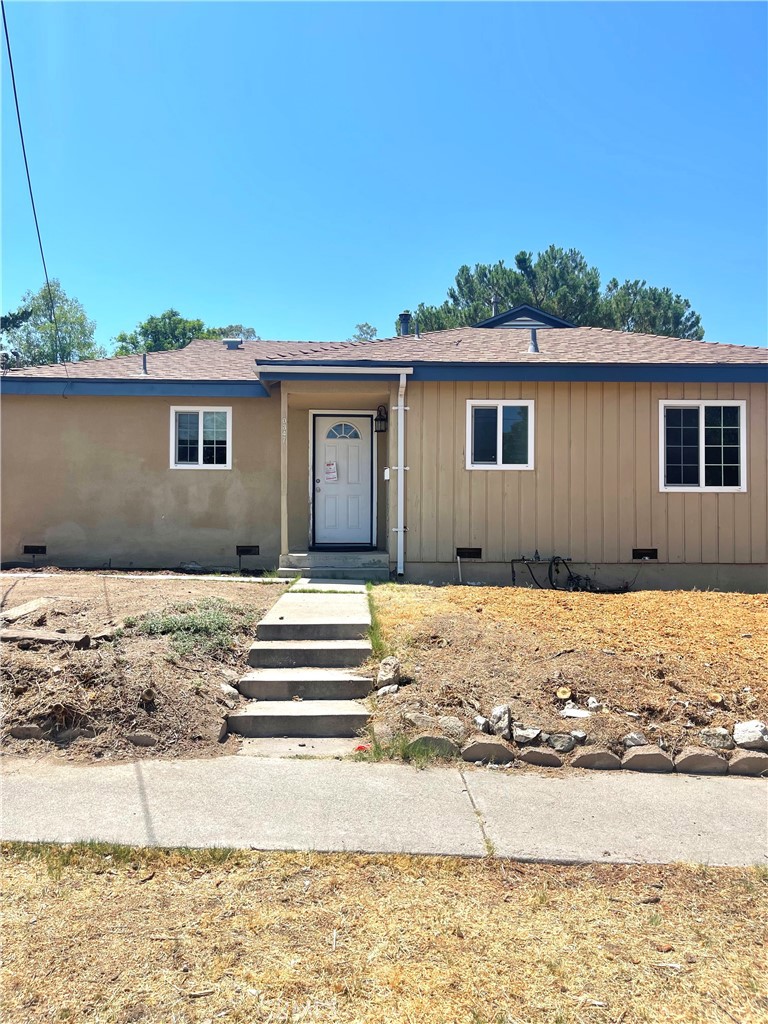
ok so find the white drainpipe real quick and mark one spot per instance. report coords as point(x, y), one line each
point(401, 468)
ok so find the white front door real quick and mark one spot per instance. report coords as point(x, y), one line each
point(342, 480)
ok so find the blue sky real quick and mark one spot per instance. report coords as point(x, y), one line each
point(304, 167)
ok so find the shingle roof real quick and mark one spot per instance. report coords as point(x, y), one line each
point(210, 360)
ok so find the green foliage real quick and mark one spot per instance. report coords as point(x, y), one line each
point(561, 282)
point(39, 340)
point(379, 647)
point(170, 331)
point(15, 319)
point(363, 332)
point(208, 627)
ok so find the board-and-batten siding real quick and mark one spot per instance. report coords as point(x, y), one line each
point(594, 493)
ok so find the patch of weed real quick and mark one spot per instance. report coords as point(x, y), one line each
point(207, 627)
point(379, 647)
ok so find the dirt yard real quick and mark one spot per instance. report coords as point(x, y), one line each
point(120, 936)
point(149, 676)
point(663, 656)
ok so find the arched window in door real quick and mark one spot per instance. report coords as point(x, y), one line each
point(343, 432)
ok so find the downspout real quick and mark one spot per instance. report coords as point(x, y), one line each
point(401, 468)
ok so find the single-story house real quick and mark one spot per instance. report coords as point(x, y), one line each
point(635, 456)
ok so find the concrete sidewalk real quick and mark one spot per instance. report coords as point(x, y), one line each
point(294, 804)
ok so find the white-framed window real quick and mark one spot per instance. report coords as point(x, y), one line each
point(201, 437)
point(499, 434)
point(702, 445)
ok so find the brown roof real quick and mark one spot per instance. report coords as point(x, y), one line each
point(211, 360)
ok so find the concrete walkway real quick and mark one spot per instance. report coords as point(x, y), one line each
point(294, 804)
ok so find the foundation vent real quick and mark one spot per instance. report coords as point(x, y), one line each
point(469, 552)
point(35, 549)
point(645, 554)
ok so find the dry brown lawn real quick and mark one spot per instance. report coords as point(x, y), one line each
point(123, 936)
point(657, 654)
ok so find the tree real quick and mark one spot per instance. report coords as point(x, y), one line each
point(171, 330)
point(54, 332)
point(15, 319)
point(561, 282)
point(363, 332)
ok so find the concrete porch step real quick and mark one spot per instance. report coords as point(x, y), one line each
point(336, 572)
point(282, 684)
point(308, 653)
point(299, 718)
point(316, 617)
point(341, 559)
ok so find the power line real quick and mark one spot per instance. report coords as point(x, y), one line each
point(29, 181)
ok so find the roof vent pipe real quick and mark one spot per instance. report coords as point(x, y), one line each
point(233, 343)
point(144, 363)
point(494, 305)
point(533, 345)
point(405, 323)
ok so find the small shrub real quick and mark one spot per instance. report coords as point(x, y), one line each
point(208, 627)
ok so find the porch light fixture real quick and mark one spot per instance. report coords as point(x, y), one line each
point(381, 420)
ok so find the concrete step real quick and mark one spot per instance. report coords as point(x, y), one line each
point(299, 718)
point(307, 683)
point(340, 559)
point(317, 586)
point(335, 572)
point(316, 617)
point(308, 653)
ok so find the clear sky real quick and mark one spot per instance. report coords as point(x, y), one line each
point(301, 167)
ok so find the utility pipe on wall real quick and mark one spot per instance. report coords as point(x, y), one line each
point(401, 467)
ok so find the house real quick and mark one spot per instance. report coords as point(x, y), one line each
point(635, 456)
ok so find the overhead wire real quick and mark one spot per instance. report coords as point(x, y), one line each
point(29, 183)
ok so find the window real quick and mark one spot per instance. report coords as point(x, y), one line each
point(499, 434)
point(201, 438)
point(343, 432)
point(702, 446)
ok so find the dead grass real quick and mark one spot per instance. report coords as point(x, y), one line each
point(110, 936)
point(175, 642)
point(658, 654)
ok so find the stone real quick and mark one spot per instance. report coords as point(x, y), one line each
point(594, 704)
point(383, 734)
point(572, 711)
point(700, 761)
point(229, 673)
point(419, 720)
point(717, 738)
point(603, 760)
point(563, 742)
point(749, 762)
point(389, 672)
point(437, 746)
point(751, 735)
point(482, 724)
point(523, 737)
point(229, 691)
point(542, 758)
point(383, 691)
point(500, 722)
point(26, 732)
point(649, 758)
point(489, 749)
point(579, 735)
point(634, 739)
point(453, 727)
point(142, 739)
point(66, 735)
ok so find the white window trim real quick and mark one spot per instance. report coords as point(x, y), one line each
point(682, 403)
point(200, 409)
point(499, 403)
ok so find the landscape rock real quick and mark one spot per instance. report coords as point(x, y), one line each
point(142, 739)
point(26, 732)
point(229, 673)
point(700, 761)
point(563, 742)
point(542, 758)
point(594, 704)
point(419, 720)
point(482, 724)
point(439, 746)
point(579, 735)
point(385, 690)
point(453, 728)
point(229, 691)
point(603, 760)
point(389, 672)
point(749, 762)
point(751, 735)
point(500, 722)
point(523, 736)
point(634, 739)
point(492, 750)
point(717, 738)
point(649, 758)
point(572, 711)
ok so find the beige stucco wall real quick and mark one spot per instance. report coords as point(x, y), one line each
point(594, 493)
point(90, 478)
